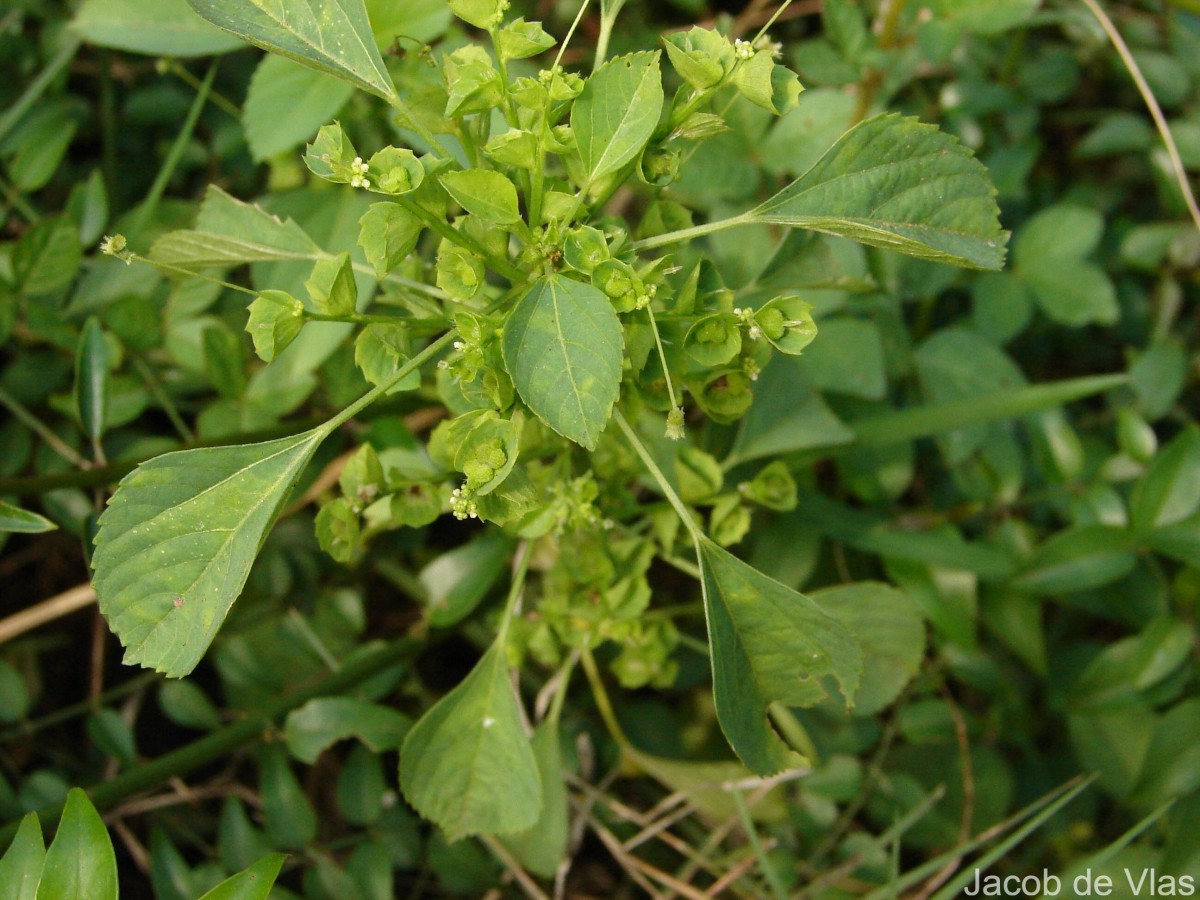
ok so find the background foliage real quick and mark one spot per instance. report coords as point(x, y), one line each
point(1006, 465)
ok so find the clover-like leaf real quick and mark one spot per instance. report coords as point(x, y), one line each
point(333, 36)
point(562, 348)
point(178, 538)
point(467, 764)
point(769, 644)
point(896, 183)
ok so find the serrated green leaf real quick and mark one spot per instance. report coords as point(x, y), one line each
point(253, 883)
point(333, 36)
point(562, 348)
point(91, 379)
point(617, 112)
point(769, 644)
point(896, 183)
point(322, 722)
point(13, 518)
point(80, 861)
point(178, 538)
point(891, 632)
point(229, 232)
point(286, 104)
point(21, 867)
point(155, 27)
point(488, 195)
point(467, 764)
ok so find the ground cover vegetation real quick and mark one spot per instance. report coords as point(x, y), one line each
point(598, 449)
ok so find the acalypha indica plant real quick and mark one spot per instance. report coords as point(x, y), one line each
point(547, 289)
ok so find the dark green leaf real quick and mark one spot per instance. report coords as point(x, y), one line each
point(80, 861)
point(467, 764)
point(563, 349)
point(154, 27)
point(769, 644)
point(177, 541)
point(333, 36)
point(13, 518)
point(287, 103)
point(91, 379)
point(21, 867)
point(320, 723)
point(252, 884)
point(933, 200)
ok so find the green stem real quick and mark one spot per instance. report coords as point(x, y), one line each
point(688, 234)
point(570, 34)
point(600, 695)
point(608, 19)
point(221, 743)
point(32, 422)
point(416, 125)
point(18, 202)
point(379, 390)
point(175, 154)
point(662, 356)
point(164, 401)
point(454, 235)
point(661, 479)
point(220, 101)
point(764, 861)
point(366, 319)
point(38, 86)
point(520, 570)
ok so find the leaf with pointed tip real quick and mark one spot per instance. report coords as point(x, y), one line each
point(467, 764)
point(253, 883)
point(80, 861)
point(617, 112)
point(178, 538)
point(333, 36)
point(229, 232)
point(21, 867)
point(897, 183)
point(13, 518)
point(563, 349)
point(489, 195)
point(769, 644)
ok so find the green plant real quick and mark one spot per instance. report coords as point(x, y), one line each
point(996, 543)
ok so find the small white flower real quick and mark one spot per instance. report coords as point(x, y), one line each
point(743, 49)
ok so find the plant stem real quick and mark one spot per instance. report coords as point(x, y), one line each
point(221, 102)
point(32, 422)
point(38, 86)
point(687, 234)
point(419, 127)
point(175, 154)
point(608, 19)
point(223, 742)
point(520, 570)
point(660, 479)
point(379, 390)
point(764, 861)
point(164, 401)
point(887, 25)
point(603, 705)
point(454, 235)
point(18, 202)
point(1156, 113)
point(662, 356)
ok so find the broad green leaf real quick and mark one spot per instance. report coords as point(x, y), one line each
point(617, 112)
point(289, 816)
point(229, 232)
point(388, 233)
point(896, 183)
point(769, 644)
point(47, 256)
point(80, 861)
point(985, 16)
point(332, 36)
point(13, 518)
point(1169, 492)
point(91, 379)
point(467, 764)
point(21, 867)
point(563, 348)
point(1077, 560)
point(787, 416)
point(544, 846)
point(486, 194)
point(155, 27)
point(320, 723)
point(253, 883)
point(380, 350)
point(178, 538)
point(459, 579)
point(1049, 255)
point(286, 104)
point(889, 627)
